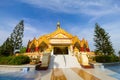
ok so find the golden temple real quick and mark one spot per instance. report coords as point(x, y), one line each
point(58, 42)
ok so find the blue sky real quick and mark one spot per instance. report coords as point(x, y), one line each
point(78, 17)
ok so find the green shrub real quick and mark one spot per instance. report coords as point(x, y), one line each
point(5, 60)
point(116, 58)
point(18, 60)
point(106, 58)
point(15, 60)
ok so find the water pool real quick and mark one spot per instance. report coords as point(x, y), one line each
point(31, 75)
point(114, 68)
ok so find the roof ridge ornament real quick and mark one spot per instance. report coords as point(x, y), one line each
point(58, 25)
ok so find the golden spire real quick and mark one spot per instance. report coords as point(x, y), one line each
point(58, 25)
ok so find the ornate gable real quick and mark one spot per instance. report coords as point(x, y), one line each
point(60, 35)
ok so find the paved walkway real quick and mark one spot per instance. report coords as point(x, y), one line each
point(71, 75)
point(75, 74)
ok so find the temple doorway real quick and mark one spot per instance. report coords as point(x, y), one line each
point(60, 50)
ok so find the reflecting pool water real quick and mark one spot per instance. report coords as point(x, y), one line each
point(115, 68)
point(18, 75)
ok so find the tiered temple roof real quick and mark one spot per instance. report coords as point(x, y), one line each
point(59, 34)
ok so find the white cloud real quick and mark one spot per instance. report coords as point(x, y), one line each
point(6, 28)
point(88, 33)
point(30, 31)
point(3, 36)
point(94, 8)
point(29, 28)
point(89, 7)
point(84, 32)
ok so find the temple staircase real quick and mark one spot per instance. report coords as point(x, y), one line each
point(63, 61)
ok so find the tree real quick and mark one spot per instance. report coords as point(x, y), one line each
point(119, 53)
point(17, 35)
point(7, 48)
point(23, 49)
point(102, 41)
point(14, 41)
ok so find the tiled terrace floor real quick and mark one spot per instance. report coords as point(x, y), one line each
point(60, 74)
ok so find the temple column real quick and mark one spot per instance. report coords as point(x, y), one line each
point(52, 51)
point(71, 50)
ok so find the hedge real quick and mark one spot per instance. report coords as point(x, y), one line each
point(15, 60)
point(5, 60)
point(106, 58)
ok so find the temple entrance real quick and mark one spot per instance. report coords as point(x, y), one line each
point(60, 50)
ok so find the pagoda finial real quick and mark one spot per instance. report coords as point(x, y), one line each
point(29, 41)
point(58, 25)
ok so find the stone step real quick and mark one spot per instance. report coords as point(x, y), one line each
point(63, 61)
